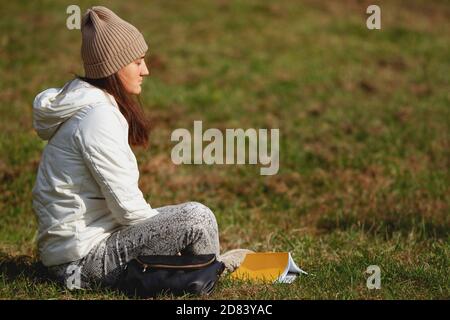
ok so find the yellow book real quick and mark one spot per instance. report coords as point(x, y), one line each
point(268, 267)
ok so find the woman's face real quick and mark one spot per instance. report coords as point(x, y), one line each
point(133, 74)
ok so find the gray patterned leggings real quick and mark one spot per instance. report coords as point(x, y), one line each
point(189, 227)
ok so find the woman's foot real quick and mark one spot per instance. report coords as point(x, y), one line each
point(233, 259)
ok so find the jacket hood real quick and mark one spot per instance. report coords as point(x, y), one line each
point(54, 106)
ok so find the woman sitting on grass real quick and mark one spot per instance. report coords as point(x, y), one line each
point(92, 216)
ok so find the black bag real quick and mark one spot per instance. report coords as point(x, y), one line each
point(148, 276)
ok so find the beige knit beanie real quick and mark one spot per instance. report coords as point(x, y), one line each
point(108, 43)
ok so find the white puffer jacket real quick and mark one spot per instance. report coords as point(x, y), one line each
point(87, 183)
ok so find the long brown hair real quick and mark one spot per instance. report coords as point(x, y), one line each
point(131, 108)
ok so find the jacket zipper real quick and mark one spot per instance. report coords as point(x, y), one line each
point(188, 266)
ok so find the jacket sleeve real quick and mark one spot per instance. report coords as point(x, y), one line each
point(103, 138)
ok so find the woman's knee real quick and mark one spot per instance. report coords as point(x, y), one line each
point(203, 224)
point(202, 212)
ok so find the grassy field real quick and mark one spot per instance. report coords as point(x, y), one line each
point(364, 135)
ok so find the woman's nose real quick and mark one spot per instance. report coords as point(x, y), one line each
point(144, 70)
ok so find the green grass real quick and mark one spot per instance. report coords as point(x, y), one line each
point(364, 136)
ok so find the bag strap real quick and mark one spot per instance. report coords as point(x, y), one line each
point(176, 262)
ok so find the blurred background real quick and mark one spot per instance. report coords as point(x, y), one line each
point(364, 134)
